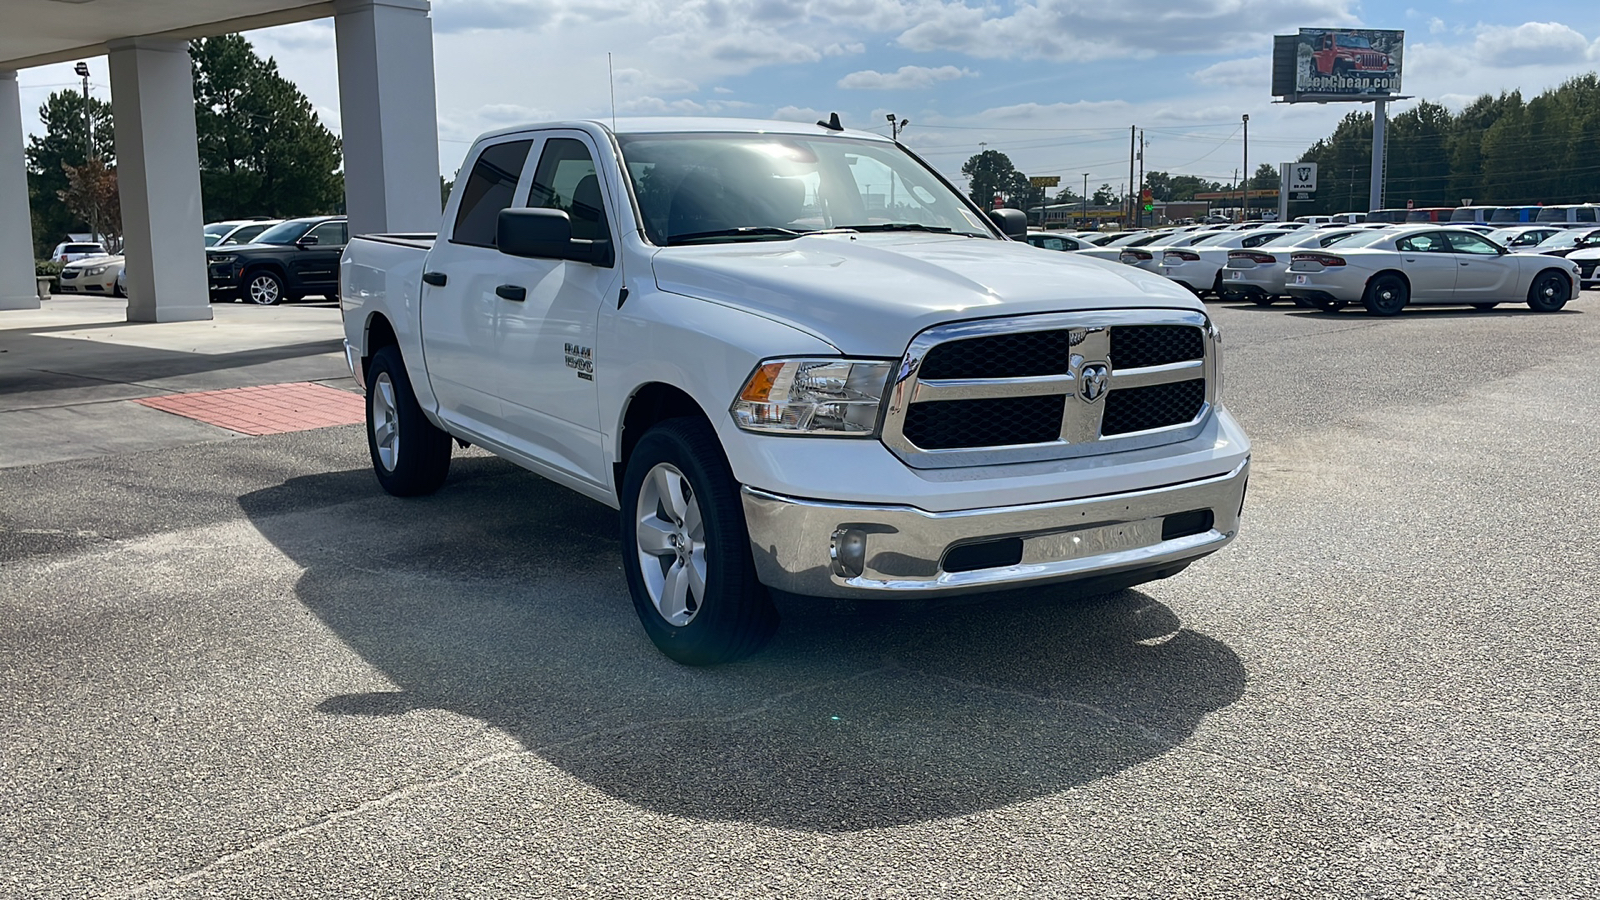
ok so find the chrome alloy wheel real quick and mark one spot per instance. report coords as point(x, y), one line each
point(264, 290)
point(671, 544)
point(385, 415)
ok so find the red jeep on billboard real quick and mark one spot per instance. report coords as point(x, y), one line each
point(1339, 53)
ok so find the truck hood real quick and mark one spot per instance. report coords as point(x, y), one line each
point(869, 294)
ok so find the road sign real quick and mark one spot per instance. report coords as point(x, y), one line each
point(1302, 178)
point(1045, 181)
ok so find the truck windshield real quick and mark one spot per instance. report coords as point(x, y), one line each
point(715, 188)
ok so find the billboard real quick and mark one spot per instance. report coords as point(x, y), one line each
point(1348, 62)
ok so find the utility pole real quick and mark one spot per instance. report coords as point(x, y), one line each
point(1380, 117)
point(82, 68)
point(1142, 145)
point(1086, 199)
point(1245, 216)
point(1132, 144)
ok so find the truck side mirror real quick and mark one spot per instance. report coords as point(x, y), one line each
point(534, 233)
point(1013, 222)
point(547, 234)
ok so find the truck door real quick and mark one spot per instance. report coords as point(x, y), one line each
point(460, 311)
point(545, 350)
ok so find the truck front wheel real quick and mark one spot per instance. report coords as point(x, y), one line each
point(686, 551)
point(410, 454)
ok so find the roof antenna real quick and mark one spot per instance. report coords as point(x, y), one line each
point(832, 124)
point(612, 79)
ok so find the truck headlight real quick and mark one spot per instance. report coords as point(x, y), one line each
point(828, 397)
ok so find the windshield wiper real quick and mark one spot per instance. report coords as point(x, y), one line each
point(756, 231)
point(895, 226)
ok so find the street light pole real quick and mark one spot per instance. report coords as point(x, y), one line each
point(1245, 216)
point(82, 69)
point(1086, 199)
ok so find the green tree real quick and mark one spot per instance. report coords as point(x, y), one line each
point(991, 172)
point(91, 194)
point(263, 151)
point(1266, 178)
point(1105, 195)
point(62, 143)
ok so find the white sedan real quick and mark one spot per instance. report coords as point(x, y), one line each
point(1198, 266)
point(1429, 264)
point(95, 275)
point(1258, 274)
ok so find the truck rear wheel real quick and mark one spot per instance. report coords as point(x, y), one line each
point(686, 551)
point(410, 455)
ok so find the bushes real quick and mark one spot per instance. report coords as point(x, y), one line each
point(44, 267)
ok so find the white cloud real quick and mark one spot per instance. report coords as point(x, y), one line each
point(1255, 71)
point(1529, 44)
point(905, 78)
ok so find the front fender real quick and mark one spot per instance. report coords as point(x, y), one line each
point(703, 348)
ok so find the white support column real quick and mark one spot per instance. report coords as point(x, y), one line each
point(158, 174)
point(389, 115)
point(17, 290)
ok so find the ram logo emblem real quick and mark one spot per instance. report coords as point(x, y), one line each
point(1093, 380)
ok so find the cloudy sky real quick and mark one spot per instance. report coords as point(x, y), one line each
point(1053, 83)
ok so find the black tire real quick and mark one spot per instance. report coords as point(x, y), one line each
point(1216, 286)
point(410, 455)
point(263, 287)
point(1485, 307)
point(734, 616)
point(1329, 306)
point(1262, 299)
point(1549, 292)
point(1386, 295)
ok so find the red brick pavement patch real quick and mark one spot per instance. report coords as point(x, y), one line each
point(268, 408)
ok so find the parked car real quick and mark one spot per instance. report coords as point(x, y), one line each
point(1427, 264)
point(1148, 257)
point(1257, 274)
point(1112, 249)
point(1569, 215)
point(71, 251)
point(1523, 237)
point(1564, 242)
point(1198, 266)
point(245, 233)
point(290, 260)
point(92, 275)
point(215, 231)
point(1514, 215)
point(1478, 215)
point(828, 399)
point(1388, 216)
point(1430, 214)
point(1587, 259)
point(1054, 240)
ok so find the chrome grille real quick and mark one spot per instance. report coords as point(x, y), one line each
point(1051, 386)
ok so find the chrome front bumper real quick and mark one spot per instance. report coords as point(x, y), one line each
point(827, 549)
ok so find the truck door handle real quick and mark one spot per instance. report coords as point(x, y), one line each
point(511, 292)
point(437, 279)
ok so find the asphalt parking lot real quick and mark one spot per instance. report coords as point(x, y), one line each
point(231, 666)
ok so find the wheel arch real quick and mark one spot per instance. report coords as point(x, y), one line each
point(649, 404)
point(378, 333)
point(1382, 272)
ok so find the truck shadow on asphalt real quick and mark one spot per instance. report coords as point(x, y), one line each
point(502, 598)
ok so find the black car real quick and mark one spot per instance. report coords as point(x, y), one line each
point(290, 260)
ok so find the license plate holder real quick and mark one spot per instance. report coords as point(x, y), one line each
point(1301, 279)
point(1092, 541)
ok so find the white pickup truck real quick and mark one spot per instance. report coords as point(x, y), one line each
point(795, 358)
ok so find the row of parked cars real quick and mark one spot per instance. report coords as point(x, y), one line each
point(260, 260)
point(1381, 266)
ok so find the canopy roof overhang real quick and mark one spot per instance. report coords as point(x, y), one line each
point(38, 32)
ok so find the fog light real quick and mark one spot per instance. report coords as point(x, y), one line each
point(848, 551)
